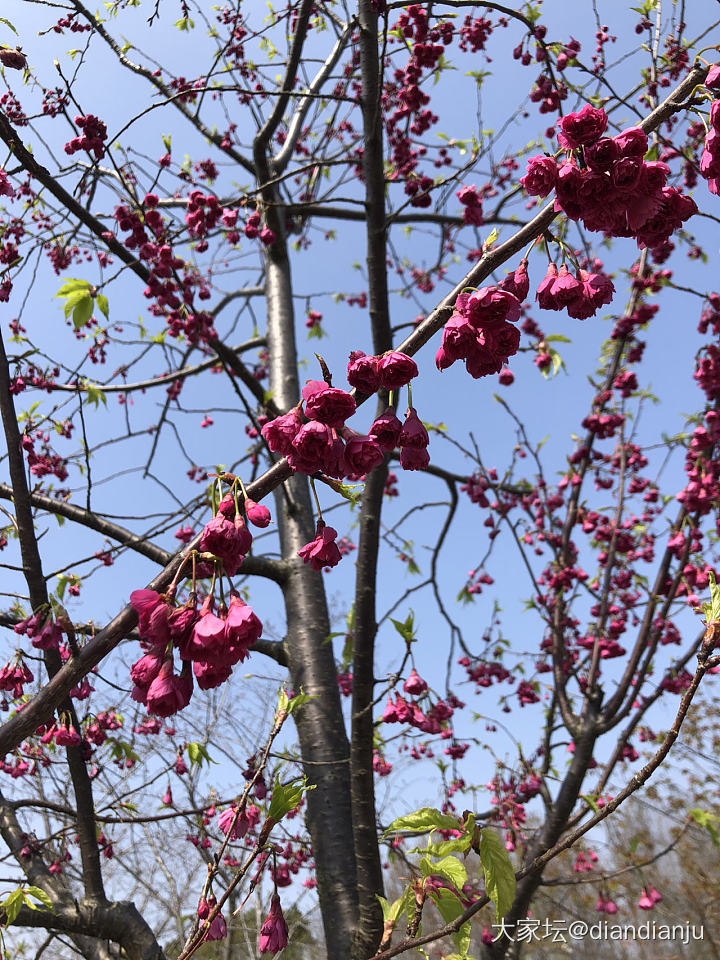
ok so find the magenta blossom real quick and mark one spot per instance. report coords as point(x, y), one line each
point(541, 176)
point(362, 453)
point(257, 513)
point(169, 692)
point(396, 369)
point(242, 628)
point(413, 433)
point(280, 432)
point(414, 458)
point(415, 685)
point(218, 928)
point(584, 127)
point(274, 931)
point(362, 372)
point(322, 551)
point(386, 430)
point(327, 404)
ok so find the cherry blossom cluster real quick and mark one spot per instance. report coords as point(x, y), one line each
point(606, 183)
point(323, 442)
point(94, 135)
point(209, 646)
point(433, 721)
point(580, 295)
point(480, 330)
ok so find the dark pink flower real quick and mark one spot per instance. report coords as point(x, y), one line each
point(413, 433)
point(386, 430)
point(626, 173)
point(274, 931)
point(152, 611)
point(207, 640)
point(257, 514)
point(459, 338)
point(144, 671)
point(632, 142)
point(226, 540)
point(487, 306)
point(541, 176)
point(415, 685)
point(517, 282)
point(327, 404)
point(218, 928)
point(414, 458)
point(362, 453)
point(67, 736)
point(585, 127)
point(567, 190)
point(240, 827)
point(280, 432)
point(468, 197)
point(210, 673)
point(322, 551)
point(506, 377)
point(646, 902)
point(389, 713)
point(362, 372)
point(600, 156)
point(565, 287)
point(712, 80)
point(169, 692)
point(544, 294)
point(396, 369)
point(311, 448)
point(242, 628)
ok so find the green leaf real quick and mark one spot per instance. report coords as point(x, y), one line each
point(491, 238)
point(423, 820)
point(95, 394)
point(289, 704)
point(711, 609)
point(37, 894)
point(198, 754)
point(556, 364)
point(82, 312)
point(558, 338)
point(73, 299)
point(8, 24)
point(449, 868)
point(102, 304)
point(73, 286)
point(405, 628)
point(591, 802)
point(498, 870)
point(443, 847)
point(285, 797)
point(707, 820)
point(11, 905)
point(450, 908)
point(391, 911)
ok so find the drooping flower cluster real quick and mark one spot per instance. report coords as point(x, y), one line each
point(42, 628)
point(209, 646)
point(481, 330)
point(607, 184)
point(324, 443)
point(580, 295)
point(94, 135)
